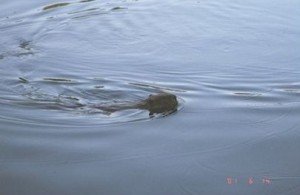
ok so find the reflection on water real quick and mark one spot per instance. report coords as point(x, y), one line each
point(86, 97)
point(23, 49)
point(55, 6)
point(108, 100)
point(232, 65)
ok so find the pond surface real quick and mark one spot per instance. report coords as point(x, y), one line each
point(233, 65)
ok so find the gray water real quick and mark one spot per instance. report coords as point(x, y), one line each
point(233, 65)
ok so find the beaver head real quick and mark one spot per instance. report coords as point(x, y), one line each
point(161, 103)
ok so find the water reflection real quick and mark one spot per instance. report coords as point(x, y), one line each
point(55, 6)
point(233, 67)
point(24, 49)
point(86, 97)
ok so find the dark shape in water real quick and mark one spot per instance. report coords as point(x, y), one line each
point(55, 6)
point(25, 45)
point(23, 80)
point(164, 103)
point(117, 8)
point(58, 80)
point(85, 1)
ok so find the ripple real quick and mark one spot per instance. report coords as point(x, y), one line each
point(53, 6)
point(56, 102)
point(23, 48)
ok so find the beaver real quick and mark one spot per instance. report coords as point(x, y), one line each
point(155, 103)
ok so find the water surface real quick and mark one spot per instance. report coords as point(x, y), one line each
point(234, 66)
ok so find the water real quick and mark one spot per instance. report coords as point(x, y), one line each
point(234, 66)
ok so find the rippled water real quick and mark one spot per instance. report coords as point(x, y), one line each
point(233, 65)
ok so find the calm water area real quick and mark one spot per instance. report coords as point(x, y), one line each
point(233, 65)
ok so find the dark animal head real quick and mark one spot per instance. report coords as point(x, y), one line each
point(162, 103)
